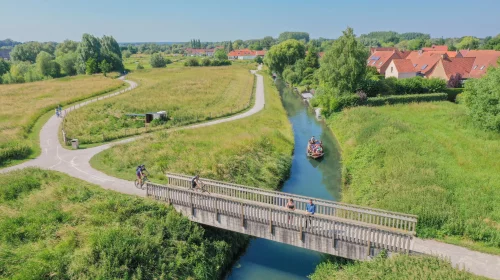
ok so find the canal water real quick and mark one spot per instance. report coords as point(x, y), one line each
point(265, 259)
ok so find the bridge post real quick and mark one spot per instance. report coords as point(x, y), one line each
point(333, 235)
point(271, 221)
point(216, 211)
point(168, 196)
point(242, 216)
point(301, 235)
point(369, 243)
point(191, 203)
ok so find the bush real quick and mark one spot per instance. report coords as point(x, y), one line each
point(206, 61)
point(459, 99)
point(157, 61)
point(410, 98)
point(453, 93)
point(139, 66)
point(374, 86)
point(482, 98)
point(193, 61)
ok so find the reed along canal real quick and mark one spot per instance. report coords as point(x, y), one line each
point(265, 259)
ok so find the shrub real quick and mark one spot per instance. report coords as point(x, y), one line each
point(434, 85)
point(157, 61)
point(399, 99)
point(205, 61)
point(459, 99)
point(482, 98)
point(193, 61)
point(453, 93)
point(139, 66)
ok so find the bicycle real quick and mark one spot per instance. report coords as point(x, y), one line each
point(145, 179)
point(201, 188)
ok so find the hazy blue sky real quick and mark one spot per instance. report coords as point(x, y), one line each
point(220, 20)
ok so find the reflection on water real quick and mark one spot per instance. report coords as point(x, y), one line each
point(266, 259)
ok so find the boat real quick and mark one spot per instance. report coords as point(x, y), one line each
point(315, 155)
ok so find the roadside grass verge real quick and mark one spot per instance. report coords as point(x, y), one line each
point(131, 63)
point(55, 226)
point(399, 267)
point(189, 95)
point(22, 105)
point(254, 151)
point(425, 159)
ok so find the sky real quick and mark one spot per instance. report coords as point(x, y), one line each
point(223, 20)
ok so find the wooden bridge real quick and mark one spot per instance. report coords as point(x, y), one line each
point(340, 229)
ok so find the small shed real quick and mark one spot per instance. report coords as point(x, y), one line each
point(149, 117)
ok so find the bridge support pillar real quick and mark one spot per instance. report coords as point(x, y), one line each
point(216, 211)
point(301, 234)
point(271, 221)
point(242, 216)
point(368, 249)
point(191, 203)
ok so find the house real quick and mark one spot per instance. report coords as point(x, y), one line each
point(436, 48)
point(483, 60)
point(244, 54)
point(5, 53)
point(424, 62)
point(400, 69)
point(381, 60)
point(448, 67)
point(200, 52)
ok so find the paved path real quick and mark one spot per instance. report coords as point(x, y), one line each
point(76, 164)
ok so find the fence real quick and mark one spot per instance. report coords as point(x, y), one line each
point(394, 220)
point(320, 225)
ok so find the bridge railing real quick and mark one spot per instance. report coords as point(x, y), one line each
point(401, 221)
point(320, 225)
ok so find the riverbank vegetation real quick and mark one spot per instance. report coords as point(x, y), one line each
point(399, 267)
point(21, 105)
point(426, 159)
point(54, 226)
point(188, 95)
point(254, 151)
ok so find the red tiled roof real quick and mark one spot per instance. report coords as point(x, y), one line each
point(436, 48)
point(483, 60)
point(404, 65)
point(243, 52)
point(461, 65)
point(260, 53)
point(379, 58)
point(448, 53)
point(424, 61)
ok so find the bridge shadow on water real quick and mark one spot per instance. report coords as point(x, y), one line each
point(265, 259)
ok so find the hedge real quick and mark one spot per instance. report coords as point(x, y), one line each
point(453, 92)
point(401, 99)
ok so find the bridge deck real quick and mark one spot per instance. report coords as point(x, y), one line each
point(322, 232)
point(388, 219)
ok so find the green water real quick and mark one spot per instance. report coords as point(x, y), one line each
point(266, 259)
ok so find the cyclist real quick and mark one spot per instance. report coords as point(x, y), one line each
point(139, 172)
point(196, 182)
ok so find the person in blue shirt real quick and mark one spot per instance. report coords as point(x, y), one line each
point(311, 209)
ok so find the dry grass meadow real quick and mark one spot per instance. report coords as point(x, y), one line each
point(22, 104)
point(188, 94)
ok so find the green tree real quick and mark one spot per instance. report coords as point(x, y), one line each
point(220, 54)
point(267, 42)
point(157, 61)
point(259, 60)
point(4, 66)
point(294, 35)
point(343, 66)
point(493, 43)
point(89, 47)
point(482, 98)
point(110, 51)
point(416, 44)
point(284, 54)
point(46, 66)
point(67, 63)
point(468, 42)
point(66, 47)
point(92, 66)
point(105, 67)
point(26, 52)
point(312, 59)
point(126, 53)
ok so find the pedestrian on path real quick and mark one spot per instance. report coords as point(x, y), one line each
point(311, 209)
point(291, 207)
point(57, 112)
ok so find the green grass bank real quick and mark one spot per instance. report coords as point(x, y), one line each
point(424, 159)
point(53, 226)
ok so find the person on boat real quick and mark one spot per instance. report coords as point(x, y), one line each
point(312, 140)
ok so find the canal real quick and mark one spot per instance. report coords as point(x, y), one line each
point(266, 259)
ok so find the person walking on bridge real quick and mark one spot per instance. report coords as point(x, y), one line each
point(311, 209)
point(291, 207)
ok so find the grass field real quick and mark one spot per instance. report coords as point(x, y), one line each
point(143, 59)
point(187, 94)
point(53, 226)
point(400, 267)
point(254, 151)
point(22, 104)
point(424, 159)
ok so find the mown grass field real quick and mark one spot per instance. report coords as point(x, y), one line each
point(187, 94)
point(254, 151)
point(400, 267)
point(56, 227)
point(424, 159)
point(22, 104)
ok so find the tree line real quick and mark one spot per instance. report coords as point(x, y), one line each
point(34, 61)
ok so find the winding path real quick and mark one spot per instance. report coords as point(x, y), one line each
point(76, 164)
